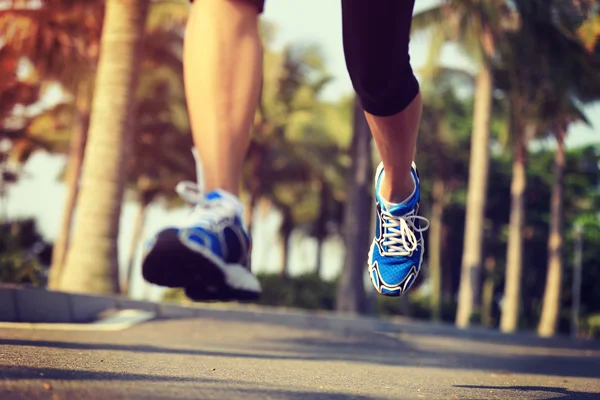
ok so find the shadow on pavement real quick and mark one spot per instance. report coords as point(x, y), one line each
point(374, 348)
point(261, 394)
point(288, 395)
point(452, 354)
point(56, 374)
point(193, 387)
point(565, 393)
point(410, 326)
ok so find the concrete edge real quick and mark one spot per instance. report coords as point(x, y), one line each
point(30, 305)
point(19, 304)
point(122, 319)
point(27, 305)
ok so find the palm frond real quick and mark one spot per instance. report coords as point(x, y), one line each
point(429, 19)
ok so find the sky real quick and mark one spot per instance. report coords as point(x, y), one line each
point(41, 195)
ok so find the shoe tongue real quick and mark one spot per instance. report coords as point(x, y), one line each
point(401, 209)
point(220, 194)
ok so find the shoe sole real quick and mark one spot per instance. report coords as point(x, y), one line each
point(171, 264)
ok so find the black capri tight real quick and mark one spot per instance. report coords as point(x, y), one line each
point(376, 35)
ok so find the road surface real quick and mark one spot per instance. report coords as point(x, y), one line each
point(204, 358)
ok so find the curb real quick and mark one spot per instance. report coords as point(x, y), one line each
point(119, 321)
point(38, 305)
point(27, 305)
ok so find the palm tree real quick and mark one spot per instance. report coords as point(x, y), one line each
point(323, 148)
point(61, 39)
point(520, 102)
point(476, 26)
point(351, 295)
point(293, 185)
point(292, 82)
point(328, 220)
point(431, 142)
point(527, 89)
point(161, 50)
point(538, 94)
point(521, 132)
point(30, 128)
point(578, 78)
point(77, 78)
point(64, 48)
point(285, 233)
point(92, 262)
point(73, 173)
point(552, 293)
point(441, 145)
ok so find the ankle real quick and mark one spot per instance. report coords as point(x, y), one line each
point(396, 188)
point(229, 183)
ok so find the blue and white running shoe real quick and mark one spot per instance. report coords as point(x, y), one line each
point(209, 254)
point(397, 251)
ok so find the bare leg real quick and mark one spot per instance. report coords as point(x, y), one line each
point(376, 39)
point(209, 256)
point(223, 63)
point(396, 140)
point(376, 43)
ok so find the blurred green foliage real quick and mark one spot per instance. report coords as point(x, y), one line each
point(24, 255)
point(306, 291)
point(591, 326)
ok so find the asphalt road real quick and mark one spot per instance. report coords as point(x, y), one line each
point(226, 359)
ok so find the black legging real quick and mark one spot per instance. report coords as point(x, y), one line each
point(376, 35)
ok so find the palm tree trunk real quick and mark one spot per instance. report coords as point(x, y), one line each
point(92, 259)
point(319, 257)
point(138, 230)
point(351, 296)
point(514, 258)
point(256, 157)
point(487, 297)
point(468, 296)
point(551, 304)
point(435, 248)
point(321, 226)
point(76, 152)
point(285, 230)
point(447, 279)
point(285, 253)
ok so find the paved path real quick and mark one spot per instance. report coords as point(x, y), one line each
point(206, 358)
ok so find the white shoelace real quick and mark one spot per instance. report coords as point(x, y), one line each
point(190, 192)
point(399, 235)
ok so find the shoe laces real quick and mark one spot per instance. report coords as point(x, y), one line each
point(400, 232)
point(205, 212)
